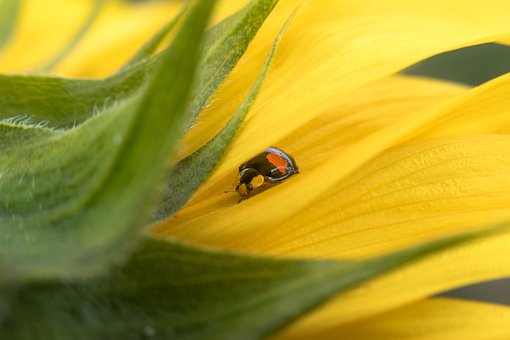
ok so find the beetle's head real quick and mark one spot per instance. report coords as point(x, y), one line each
point(248, 180)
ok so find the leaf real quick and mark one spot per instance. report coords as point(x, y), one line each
point(66, 103)
point(169, 290)
point(72, 203)
point(61, 55)
point(9, 10)
point(188, 174)
point(63, 102)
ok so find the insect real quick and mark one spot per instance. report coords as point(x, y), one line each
point(267, 169)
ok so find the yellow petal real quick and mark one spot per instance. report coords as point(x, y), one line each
point(351, 119)
point(415, 191)
point(396, 97)
point(332, 48)
point(43, 28)
point(438, 319)
point(489, 115)
point(479, 261)
point(407, 195)
point(119, 32)
point(438, 204)
point(218, 221)
point(307, 83)
point(48, 25)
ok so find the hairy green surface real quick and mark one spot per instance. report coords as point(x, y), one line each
point(64, 102)
point(8, 14)
point(168, 291)
point(188, 174)
point(72, 202)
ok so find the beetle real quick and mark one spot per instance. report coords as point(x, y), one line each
point(265, 170)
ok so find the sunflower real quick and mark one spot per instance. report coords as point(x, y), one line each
point(401, 181)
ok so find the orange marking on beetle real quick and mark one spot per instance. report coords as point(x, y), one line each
point(278, 161)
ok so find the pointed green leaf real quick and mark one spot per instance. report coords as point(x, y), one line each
point(187, 175)
point(170, 291)
point(72, 202)
point(9, 10)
